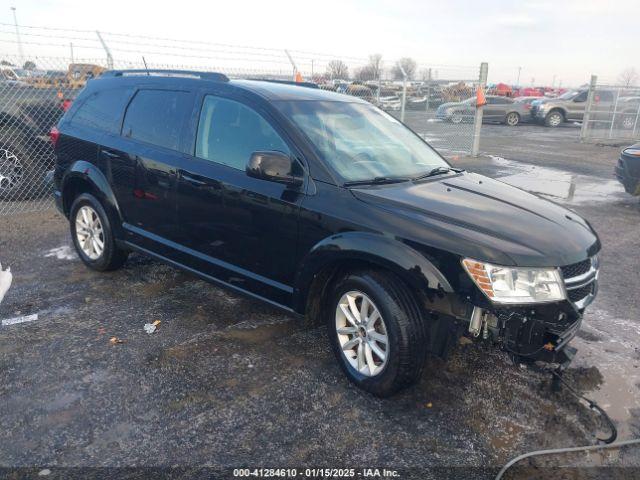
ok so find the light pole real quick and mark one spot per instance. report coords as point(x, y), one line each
point(15, 22)
point(518, 80)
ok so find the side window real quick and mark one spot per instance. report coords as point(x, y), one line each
point(157, 117)
point(581, 97)
point(102, 110)
point(605, 96)
point(229, 132)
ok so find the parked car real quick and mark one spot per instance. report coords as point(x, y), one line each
point(497, 110)
point(26, 116)
point(628, 169)
point(322, 205)
point(392, 102)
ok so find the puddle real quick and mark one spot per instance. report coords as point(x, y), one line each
point(617, 359)
point(558, 185)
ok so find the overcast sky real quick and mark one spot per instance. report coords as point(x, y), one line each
point(568, 39)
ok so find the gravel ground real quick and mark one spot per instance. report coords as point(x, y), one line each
point(227, 382)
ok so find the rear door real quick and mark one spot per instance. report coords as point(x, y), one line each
point(239, 229)
point(493, 110)
point(152, 141)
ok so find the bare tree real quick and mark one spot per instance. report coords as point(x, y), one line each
point(337, 70)
point(371, 71)
point(629, 77)
point(408, 64)
point(375, 65)
point(29, 65)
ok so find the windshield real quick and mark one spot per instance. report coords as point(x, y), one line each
point(568, 95)
point(360, 141)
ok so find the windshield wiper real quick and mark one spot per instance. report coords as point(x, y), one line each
point(438, 171)
point(377, 181)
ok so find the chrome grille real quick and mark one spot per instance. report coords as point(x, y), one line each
point(581, 281)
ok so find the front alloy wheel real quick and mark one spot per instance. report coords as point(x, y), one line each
point(513, 119)
point(553, 119)
point(377, 331)
point(362, 333)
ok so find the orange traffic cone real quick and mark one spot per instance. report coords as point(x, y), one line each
point(299, 78)
point(480, 98)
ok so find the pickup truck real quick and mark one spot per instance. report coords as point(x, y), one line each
point(571, 106)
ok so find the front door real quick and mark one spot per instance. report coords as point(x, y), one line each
point(239, 229)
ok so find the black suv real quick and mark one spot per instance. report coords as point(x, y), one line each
point(325, 206)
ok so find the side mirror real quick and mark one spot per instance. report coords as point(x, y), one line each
point(273, 167)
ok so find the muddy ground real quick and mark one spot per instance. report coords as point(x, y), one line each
point(228, 382)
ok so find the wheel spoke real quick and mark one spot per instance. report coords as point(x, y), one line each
point(354, 308)
point(347, 331)
point(378, 337)
point(360, 354)
point(372, 319)
point(351, 343)
point(364, 310)
point(369, 357)
point(85, 217)
point(347, 313)
point(380, 354)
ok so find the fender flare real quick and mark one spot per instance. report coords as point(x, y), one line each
point(90, 174)
point(378, 249)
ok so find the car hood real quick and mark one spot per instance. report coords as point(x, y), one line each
point(475, 216)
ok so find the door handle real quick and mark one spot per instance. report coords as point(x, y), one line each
point(193, 181)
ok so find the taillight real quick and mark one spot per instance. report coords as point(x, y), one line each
point(66, 105)
point(54, 135)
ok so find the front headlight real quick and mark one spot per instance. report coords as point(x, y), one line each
point(515, 284)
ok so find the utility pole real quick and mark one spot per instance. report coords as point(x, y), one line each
point(518, 81)
point(482, 83)
point(428, 89)
point(15, 22)
point(71, 47)
point(404, 92)
point(106, 49)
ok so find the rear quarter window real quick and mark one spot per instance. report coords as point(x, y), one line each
point(102, 110)
point(157, 117)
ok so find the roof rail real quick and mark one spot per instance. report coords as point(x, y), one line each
point(287, 82)
point(217, 77)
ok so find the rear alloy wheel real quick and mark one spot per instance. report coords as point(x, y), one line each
point(89, 232)
point(553, 119)
point(456, 117)
point(628, 122)
point(512, 119)
point(11, 173)
point(93, 236)
point(377, 331)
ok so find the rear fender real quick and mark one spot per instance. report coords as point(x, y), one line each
point(370, 248)
point(83, 172)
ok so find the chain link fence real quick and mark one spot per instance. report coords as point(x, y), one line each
point(34, 97)
point(612, 113)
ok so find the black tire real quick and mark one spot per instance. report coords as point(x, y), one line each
point(512, 119)
point(22, 176)
point(405, 327)
point(112, 257)
point(554, 119)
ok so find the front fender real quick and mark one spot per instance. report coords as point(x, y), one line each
point(377, 249)
point(82, 171)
